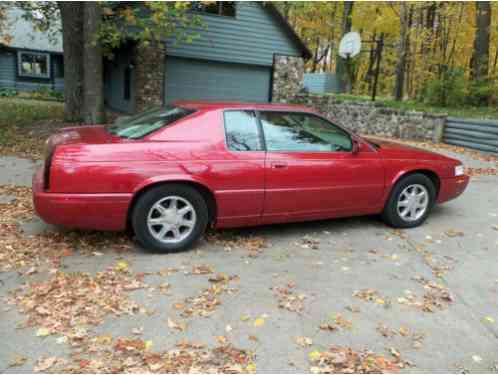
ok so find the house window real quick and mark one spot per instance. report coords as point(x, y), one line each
point(220, 8)
point(33, 64)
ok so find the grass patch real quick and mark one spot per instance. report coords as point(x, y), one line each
point(24, 124)
point(410, 105)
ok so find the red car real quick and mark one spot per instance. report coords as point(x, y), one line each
point(169, 173)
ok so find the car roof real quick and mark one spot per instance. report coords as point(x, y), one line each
point(207, 105)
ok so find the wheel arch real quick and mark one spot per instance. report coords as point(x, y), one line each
point(433, 176)
point(204, 190)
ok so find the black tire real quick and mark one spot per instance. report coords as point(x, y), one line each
point(390, 214)
point(149, 198)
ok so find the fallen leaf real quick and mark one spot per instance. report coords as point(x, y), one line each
point(403, 331)
point(201, 270)
point(174, 325)
point(221, 339)
point(453, 233)
point(122, 266)
point(43, 364)
point(489, 319)
point(61, 340)
point(148, 344)
point(42, 332)
point(394, 352)
point(304, 341)
point(314, 355)
point(251, 367)
point(259, 322)
point(245, 318)
point(137, 331)
point(18, 360)
point(179, 306)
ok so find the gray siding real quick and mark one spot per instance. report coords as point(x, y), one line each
point(252, 37)
point(7, 69)
point(9, 78)
point(320, 83)
point(188, 79)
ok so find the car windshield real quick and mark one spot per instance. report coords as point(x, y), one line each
point(144, 123)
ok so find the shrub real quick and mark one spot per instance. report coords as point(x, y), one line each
point(448, 91)
point(7, 93)
point(480, 92)
point(45, 93)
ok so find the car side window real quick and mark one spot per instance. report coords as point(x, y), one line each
point(302, 132)
point(241, 129)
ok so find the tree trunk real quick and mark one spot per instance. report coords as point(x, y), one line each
point(496, 61)
point(480, 55)
point(342, 68)
point(72, 41)
point(402, 53)
point(93, 84)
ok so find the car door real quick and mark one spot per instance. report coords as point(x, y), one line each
point(312, 171)
point(240, 174)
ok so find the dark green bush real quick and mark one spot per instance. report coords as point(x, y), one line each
point(7, 93)
point(480, 92)
point(448, 91)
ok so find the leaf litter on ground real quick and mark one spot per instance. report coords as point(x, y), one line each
point(338, 359)
point(21, 251)
point(68, 304)
point(289, 299)
point(254, 245)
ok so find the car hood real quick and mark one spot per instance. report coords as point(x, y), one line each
point(393, 150)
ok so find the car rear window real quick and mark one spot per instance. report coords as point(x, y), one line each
point(147, 122)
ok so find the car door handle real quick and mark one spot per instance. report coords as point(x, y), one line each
point(278, 165)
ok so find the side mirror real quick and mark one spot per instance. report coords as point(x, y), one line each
point(356, 147)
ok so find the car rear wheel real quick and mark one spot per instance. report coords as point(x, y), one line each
point(170, 218)
point(410, 202)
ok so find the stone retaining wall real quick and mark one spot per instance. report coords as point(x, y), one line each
point(376, 119)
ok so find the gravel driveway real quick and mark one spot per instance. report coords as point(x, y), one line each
point(282, 298)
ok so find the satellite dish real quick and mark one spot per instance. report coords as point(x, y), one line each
point(350, 45)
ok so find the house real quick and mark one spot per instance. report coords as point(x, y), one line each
point(29, 60)
point(246, 52)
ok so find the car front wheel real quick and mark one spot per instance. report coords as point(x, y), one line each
point(170, 218)
point(410, 201)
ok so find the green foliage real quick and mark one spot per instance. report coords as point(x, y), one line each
point(7, 93)
point(45, 93)
point(148, 22)
point(449, 90)
point(480, 92)
point(142, 22)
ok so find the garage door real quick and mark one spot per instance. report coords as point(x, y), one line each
point(188, 79)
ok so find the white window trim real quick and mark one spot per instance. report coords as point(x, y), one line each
point(19, 64)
